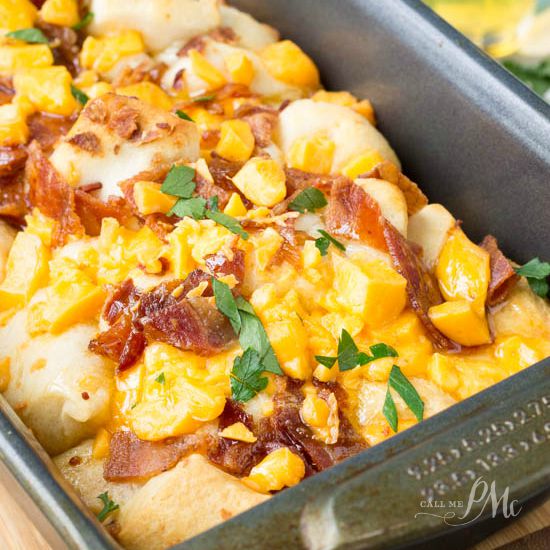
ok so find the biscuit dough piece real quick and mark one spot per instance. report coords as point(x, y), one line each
point(117, 137)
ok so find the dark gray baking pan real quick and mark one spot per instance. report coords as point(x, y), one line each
point(476, 140)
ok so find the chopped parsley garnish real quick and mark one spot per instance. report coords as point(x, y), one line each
point(183, 115)
point(84, 22)
point(193, 208)
point(226, 304)
point(309, 200)
point(108, 506)
point(389, 410)
point(536, 273)
point(252, 334)
point(349, 355)
point(246, 376)
point(160, 378)
point(179, 182)
point(227, 221)
point(322, 243)
point(204, 98)
point(536, 77)
point(399, 382)
point(79, 95)
point(32, 36)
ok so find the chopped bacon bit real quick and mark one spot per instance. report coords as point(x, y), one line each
point(206, 189)
point(224, 34)
point(133, 459)
point(354, 214)
point(12, 159)
point(47, 129)
point(503, 276)
point(124, 121)
point(92, 210)
point(96, 111)
point(87, 141)
point(85, 395)
point(298, 180)
point(161, 315)
point(146, 71)
point(13, 204)
point(89, 187)
point(421, 287)
point(284, 428)
point(388, 171)
point(75, 461)
point(6, 90)
point(219, 264)
point(122, 296)
point(52, 195)
point(210, 138)
point(262, 121)
point(196, 43)
point(179, 82)
point(160, 224)
point(65, 45)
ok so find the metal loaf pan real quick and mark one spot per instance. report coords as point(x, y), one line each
point(476, 140)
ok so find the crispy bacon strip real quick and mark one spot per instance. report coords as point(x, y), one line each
point(386, 170)
point(163, 314)
point(262, 121)
point(421, 288)
point(52, 195)
point(92, 210)
point(503, 276)
point(298, 180)
point(219, 264)
point(133, 459)
point(354, 214)
point(284, 428)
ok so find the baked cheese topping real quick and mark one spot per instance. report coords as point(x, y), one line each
point(204, 256)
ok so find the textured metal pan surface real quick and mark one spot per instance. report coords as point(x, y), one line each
point(476, 140)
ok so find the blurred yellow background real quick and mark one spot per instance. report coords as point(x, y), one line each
point(516, 32)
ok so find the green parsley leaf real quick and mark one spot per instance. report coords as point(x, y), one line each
point(399, 382)
point(347, 351)
point(539, 286)
point(84, 22)
point(322, 245)
point(390, 411)
point(32, 36)
point(326, 361)
point(323, 242)
point(382, 350)
point(183, 115)
point(246, 376)
point(108, 506)
point(79, 95)
point(248, 326)
point(309, 199)
point(179, 182)
point(193, 208)
point(350, 357)
point(536, 273)
point(204, 98)
point(228, 222)
point(534, 268)
point(253, 335)
point(536, 77)
point(225, 302)
point(160, 378)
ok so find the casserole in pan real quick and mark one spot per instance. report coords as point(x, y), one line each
point(304, 304)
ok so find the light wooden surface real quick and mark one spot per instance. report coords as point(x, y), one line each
point(18, 533)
